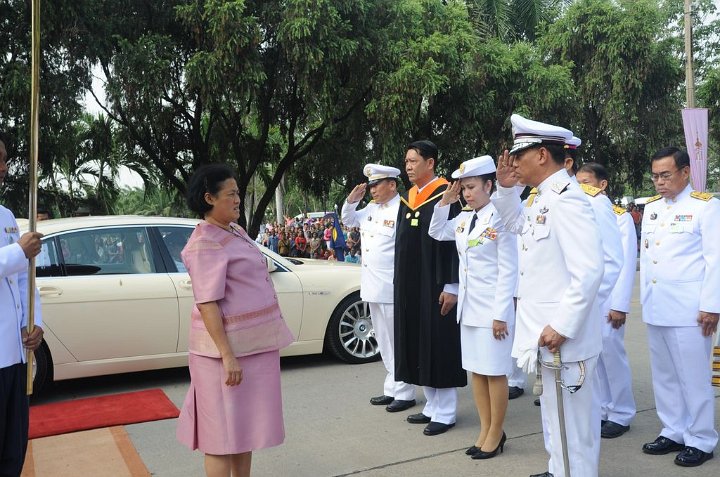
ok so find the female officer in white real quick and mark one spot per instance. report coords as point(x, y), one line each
point(488, 274)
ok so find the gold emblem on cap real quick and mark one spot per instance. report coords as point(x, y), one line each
point(462, 168)
point(368, 170)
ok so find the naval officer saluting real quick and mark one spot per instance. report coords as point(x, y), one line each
point(558, 285)
point(679, 283)
point(378, 222)
point(485, 311)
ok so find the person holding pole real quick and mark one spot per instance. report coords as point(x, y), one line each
point(557, 310)
point(14, 338)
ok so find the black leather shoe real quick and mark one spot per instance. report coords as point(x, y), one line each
point(611, 430)
point(544, 474)
point(472, 450)
point(399, 405)
point(537, 403)
point(435, 428)
point(418, 418)
point(490, 454)
point(661, 446)
point(692, 457)
point(515, 392)
point(381, 400)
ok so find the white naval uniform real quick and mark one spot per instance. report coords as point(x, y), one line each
point(617, 403)
point(13, 292)
point(377, 224)
point(488, 276)
point(558, 286)
point(679, 277)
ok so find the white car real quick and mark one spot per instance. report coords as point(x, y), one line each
point(116, 298)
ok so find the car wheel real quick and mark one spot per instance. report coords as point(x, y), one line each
point(350, 335)
point(42, 369)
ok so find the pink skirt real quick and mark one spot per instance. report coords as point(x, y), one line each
point(222, 420)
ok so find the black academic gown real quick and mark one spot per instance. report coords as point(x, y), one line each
point(427, 345)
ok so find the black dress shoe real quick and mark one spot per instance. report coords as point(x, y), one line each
point(472, 450)
point(544, 474)
point(435, 428)
point(611, 430)
point(515, 392)
point(381, 400)
point(399, 405)
point(537, 403)
point(418, 418)
point(661, 446)
point(692, 457)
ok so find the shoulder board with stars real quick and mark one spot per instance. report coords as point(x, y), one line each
point(619, 210)
point(701, 195)
point(654, 198)
point(590, 190)
point(560, 187)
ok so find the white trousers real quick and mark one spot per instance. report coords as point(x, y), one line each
point(614, 378)
point(517, 377)
point(582, 422)
point(384, 327)
point(441, 404)
point(684, 398)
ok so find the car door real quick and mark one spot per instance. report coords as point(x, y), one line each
point(103, 297)
point(287, 285)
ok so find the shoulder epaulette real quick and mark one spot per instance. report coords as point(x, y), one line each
point(560, 187)
point(619, 210)
point(654, 198)
point(590, 190)
point(467, 209)
point(701, 195)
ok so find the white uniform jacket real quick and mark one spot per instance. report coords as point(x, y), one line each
point(378, 223)
point(622, 293)
point(680, 259)
point(488, 264)
point(13, 292)
point(561, 266)
point(611, 243)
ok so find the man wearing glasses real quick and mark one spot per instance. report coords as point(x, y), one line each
point(679, 283)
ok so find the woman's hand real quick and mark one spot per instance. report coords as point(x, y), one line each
point(233, 371)
point(500, 330)
point(451, 194)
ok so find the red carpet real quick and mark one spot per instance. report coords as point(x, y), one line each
point(103, 411)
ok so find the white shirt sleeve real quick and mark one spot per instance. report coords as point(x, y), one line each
point(504, 308)
point(441, 228)
point(509, 206)
point(622, 293)
point(612, 246)
point(349, 215)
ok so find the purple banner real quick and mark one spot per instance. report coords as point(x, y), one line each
point(695, 123)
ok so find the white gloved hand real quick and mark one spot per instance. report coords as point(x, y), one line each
point(528, 360)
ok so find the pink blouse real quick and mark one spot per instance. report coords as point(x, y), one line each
point(228, 268)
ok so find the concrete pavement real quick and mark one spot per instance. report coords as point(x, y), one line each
point(332, 430)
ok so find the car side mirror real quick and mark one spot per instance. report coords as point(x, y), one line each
point(271, 266)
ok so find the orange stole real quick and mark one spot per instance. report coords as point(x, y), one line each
point(415, 200)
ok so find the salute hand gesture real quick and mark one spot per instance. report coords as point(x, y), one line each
point(505, 173)
point(451, 194)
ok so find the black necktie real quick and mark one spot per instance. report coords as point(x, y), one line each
point(472, 223)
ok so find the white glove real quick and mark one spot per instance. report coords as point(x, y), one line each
point(528, 360)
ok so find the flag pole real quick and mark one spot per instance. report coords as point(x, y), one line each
point(32, 207)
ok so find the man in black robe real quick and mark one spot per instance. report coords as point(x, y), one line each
point(427, 336)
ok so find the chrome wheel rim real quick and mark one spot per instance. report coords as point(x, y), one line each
point(356, 331)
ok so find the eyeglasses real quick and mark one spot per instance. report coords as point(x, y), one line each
point(665, 176)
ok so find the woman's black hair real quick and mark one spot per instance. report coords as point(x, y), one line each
point(206, 178)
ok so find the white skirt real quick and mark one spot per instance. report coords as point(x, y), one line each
point(483, 354)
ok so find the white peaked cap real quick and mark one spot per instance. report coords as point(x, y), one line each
point(477, 166)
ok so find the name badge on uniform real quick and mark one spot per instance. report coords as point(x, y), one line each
point(676, 228)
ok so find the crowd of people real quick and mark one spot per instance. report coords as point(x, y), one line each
point(303, 237)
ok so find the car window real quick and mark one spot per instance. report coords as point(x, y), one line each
point(47, 262)
point(175, 239)
point(106, 251)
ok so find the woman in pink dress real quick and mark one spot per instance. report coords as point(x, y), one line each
point(234, 404)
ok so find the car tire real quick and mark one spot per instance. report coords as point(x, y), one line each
point(350, 335)
point(43, 369)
